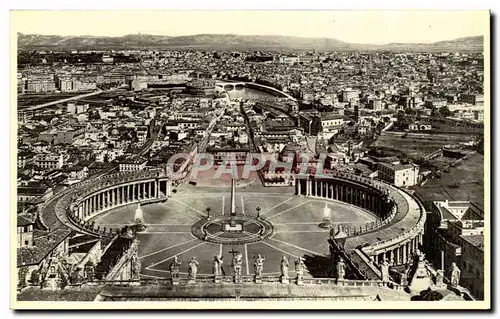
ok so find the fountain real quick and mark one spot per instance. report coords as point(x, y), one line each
point(139, 219)
point(326, 223)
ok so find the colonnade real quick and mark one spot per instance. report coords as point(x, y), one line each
point(358, 195)
point(121, 194)
point(401, 253)
point(369, 198)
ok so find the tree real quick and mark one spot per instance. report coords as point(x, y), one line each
point(434, 112)
point(445, 111)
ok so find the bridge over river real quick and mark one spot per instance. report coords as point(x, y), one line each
point(229, 85)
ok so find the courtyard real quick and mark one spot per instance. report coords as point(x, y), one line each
point(294, 221)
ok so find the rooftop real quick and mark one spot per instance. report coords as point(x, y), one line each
point(474, 240)
point(44, 243)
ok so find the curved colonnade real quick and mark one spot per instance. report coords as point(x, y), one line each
point(398, 232)
point(395, 237)
point(81, 202)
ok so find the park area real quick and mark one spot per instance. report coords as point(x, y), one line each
point(416, 147)
point(294, 219)
point(463, 182)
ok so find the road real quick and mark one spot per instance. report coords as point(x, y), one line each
point(41, 106)
point(204, 142)
point(155, 130)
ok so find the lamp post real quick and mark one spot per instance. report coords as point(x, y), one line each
point(258, 211)
point(208, 212)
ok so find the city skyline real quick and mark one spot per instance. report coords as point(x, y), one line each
point(421, 26)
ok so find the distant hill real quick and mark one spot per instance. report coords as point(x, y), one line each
point(231, 42)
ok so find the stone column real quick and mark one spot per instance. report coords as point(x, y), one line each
point(157, 193)
point(403, 253)
point(397, 257)
point(149, 190)
point(133, 191)
point(143, 190)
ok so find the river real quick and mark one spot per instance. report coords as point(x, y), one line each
point(247, 93)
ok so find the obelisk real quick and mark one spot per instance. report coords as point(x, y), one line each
point(233, 197)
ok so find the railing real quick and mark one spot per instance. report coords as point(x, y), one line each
point(368, 262)
point(244, 279)
point(406, 234)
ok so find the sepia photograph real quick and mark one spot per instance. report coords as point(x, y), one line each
point(250, 159)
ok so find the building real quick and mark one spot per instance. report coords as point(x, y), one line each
point(135, 163)
point(472, 265)
point(398, 174)
point(138, 84)
point(142, 133)
point(107, 59)
point(40, 84)
point(350, 95)
point(73, 108)
point(455, 233)
point(436, 103)
point(49, 161)
point(474, 99)
point(331, 124)
point(33, 191)
point(24, 231)
point(23, 158)
point(236, 156)
point(376, 104)
point(68, 84)
point(420, 127)
point(289, 59)
point(479, 115)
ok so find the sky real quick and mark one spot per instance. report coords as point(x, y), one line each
point(373, 27)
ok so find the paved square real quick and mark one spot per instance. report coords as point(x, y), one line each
point(295, 221)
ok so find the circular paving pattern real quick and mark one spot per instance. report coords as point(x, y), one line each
point(238, 229)
point(290, 223)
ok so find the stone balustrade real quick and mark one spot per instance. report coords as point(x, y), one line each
point(229, 280)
